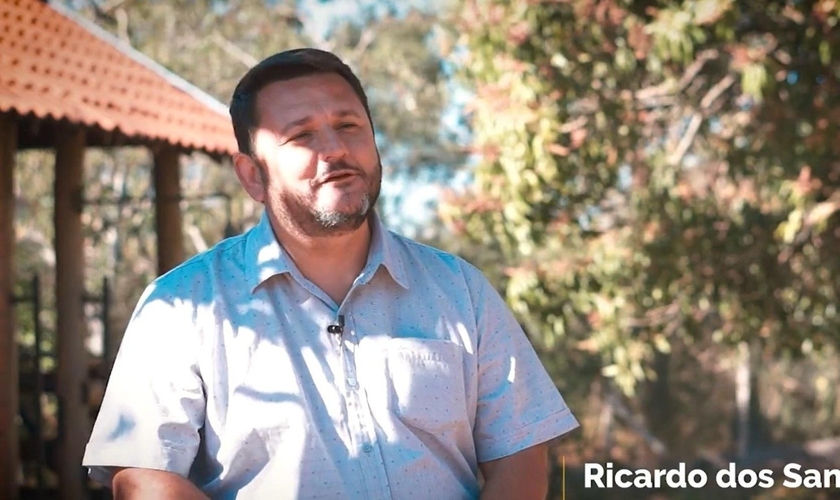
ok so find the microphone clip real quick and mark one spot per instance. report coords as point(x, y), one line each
point(339, 328)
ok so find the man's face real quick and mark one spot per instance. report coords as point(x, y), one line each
point(315, 148)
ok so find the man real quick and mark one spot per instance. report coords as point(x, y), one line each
point(319, 355)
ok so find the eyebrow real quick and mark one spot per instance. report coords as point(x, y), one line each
point(306, 119)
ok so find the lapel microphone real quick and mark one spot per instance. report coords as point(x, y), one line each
point(339, 328)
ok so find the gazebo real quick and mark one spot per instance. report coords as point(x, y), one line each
point(66, 85)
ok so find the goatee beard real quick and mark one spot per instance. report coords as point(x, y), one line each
point(335, 221)
point(314, 222)
point(297, 212)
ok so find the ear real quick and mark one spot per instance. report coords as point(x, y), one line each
point(249, 176)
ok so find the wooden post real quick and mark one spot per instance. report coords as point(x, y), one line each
point(74, 426)
point(8, 344)
point(168, 226)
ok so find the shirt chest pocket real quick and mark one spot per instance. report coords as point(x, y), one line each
point(426, 383)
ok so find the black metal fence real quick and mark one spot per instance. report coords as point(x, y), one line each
point(38, 402)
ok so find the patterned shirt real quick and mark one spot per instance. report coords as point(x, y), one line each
point(228, 375)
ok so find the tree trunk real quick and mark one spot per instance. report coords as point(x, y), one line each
point(742, 399)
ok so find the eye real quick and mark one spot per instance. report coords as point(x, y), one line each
point(301, 136)
point(347, 126)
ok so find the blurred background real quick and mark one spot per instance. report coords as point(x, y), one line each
point(652, 186)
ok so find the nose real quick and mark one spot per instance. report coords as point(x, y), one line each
point(331, 147)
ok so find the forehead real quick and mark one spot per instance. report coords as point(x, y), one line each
point(283, 102)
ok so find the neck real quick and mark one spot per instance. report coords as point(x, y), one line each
point(332, 263)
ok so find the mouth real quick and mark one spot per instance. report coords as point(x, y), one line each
point(339, 176)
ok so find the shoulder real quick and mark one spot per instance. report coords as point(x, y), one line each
point(419, 257)
point(194, 279)
point(177, 308)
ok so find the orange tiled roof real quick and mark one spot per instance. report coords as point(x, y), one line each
point(52, 66)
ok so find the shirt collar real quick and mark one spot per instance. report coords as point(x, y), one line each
point(384, 251)
point(264, 256)
point(268, 258)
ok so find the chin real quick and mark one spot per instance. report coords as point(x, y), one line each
point(345, 207)
point(343, 214)
point(345, 219)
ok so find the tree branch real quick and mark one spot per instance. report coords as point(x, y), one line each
point(368, 36)
point(697, 119)
point(113, 5)
point(637, 425)
point(233, 50)
point(686, 140)
point(195, 236)
point(691, 72)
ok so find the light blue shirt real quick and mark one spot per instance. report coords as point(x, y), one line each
point(227, 375)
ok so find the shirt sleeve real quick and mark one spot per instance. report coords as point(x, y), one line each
point(518, 405)
point(154, 402)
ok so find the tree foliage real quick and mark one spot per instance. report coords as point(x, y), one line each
point(658, 172)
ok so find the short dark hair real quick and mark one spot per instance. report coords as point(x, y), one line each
point(282, 66)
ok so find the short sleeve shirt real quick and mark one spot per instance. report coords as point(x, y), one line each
point(228, 375)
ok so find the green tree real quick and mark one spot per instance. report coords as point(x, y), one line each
point(657, 175)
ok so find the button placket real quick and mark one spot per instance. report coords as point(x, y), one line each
point(348, 354)
point(362, 420)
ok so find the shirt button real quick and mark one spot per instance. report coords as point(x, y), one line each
point(367, 448)
point(352, 382)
